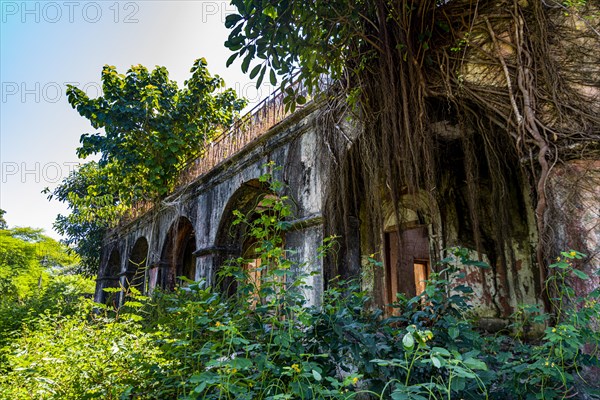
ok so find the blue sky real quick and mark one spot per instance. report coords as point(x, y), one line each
point(45, 45)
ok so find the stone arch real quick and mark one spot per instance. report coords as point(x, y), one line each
point(136, 265)
point(232, 241)
point(177, 256)
point(406, 243)
point(112, 277)
point(406, 247)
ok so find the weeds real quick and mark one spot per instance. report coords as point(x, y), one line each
point(266, 342)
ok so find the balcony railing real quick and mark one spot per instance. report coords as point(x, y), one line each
point(244, 130)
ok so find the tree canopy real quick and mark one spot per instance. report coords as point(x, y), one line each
point(151, 128)
point(517, 77)
point(26, 254)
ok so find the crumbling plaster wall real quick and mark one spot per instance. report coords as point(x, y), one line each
point(513, 277)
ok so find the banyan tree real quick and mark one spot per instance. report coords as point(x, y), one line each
point(477, 121)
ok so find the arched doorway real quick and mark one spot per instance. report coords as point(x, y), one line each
point(177, 257)
point(254, 201)
point(136, 265)
point(406, 247)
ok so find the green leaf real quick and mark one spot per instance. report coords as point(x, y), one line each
point(231, 59)
point(255, 71)
point(231, 20)
point(398, 395)
point(580, 274)
point(316, 375)
point(273, 77)
point(200, 388)
point(475, 364)
point(261, 76)
point(241, 363)
point(246, 62)
point(458, 384)
point(133, 304)
point(463, 372)
point(270, 11)
point(453, 332)
point(408, 341)
point(441, 351)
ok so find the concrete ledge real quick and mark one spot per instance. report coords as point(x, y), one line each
point(306, 222)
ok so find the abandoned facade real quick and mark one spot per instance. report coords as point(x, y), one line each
point(190, 233)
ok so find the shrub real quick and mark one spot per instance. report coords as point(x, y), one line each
point(84, 355)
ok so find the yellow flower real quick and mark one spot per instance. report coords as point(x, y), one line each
point(218, 324)
point(557, 258)
point(553, 330)
point(296, 368)
point(355, 380)
point(572, 254)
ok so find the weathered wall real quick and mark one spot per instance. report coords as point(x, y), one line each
point(574, 217)
point(208, 204)
point(511, 279)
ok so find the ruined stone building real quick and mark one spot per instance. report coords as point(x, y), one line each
point(190, 233)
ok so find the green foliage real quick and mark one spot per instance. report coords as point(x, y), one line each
point(35, 277)
point(256, 343)
point(574, 3)
point(570, 342)
point(3, 224)
point(151, 128)
point(266, 341)
point(25, 256)
point(291, 40)
point(83, 232)
point(82, 356)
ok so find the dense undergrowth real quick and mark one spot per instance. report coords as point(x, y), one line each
point(268, 342)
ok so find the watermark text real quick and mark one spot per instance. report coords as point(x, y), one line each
point(53, 12)
point(46, 92)
point(49, 172)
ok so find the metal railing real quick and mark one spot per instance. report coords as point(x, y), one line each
point(251, 126)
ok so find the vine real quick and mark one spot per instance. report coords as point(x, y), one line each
point(518, 78)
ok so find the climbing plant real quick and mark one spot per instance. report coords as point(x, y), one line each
point(515, 76)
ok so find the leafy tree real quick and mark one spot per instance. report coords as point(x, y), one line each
point(404, 65)
point(151, 129)
point(36, 275)
point(80, 190)
point(3, 224)
point(25, 257)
